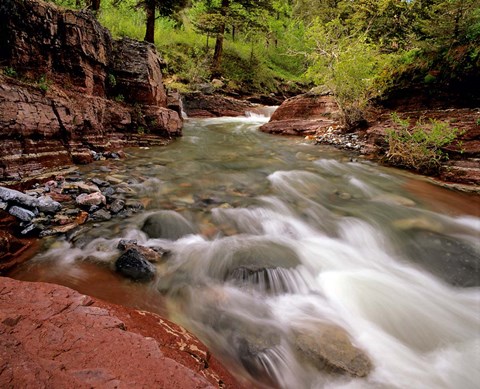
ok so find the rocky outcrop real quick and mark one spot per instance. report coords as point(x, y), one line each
point(308, 114)
point(80, 91)
point(316, 116)
point(201, 105)
point(132, 348)
point(463, 164)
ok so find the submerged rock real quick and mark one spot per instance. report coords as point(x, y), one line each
point(167, 225)
point(330, 349)
point(133, 264)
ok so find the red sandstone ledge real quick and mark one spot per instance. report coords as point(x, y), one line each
point(52, 336)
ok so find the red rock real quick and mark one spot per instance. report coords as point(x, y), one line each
point(306, 114)
point(13, 250)
point(52, 336)
point(44, 129)
point(307, 106)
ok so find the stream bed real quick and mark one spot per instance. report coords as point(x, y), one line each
point(279, 248)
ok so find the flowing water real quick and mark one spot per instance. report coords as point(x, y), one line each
point(274, 240)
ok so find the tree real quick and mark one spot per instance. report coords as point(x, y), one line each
point(223, 13)
point(164, 8)
point(346, 63)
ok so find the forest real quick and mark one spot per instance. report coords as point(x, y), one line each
point(359, 49)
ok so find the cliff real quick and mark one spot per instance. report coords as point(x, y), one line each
point(68, 90)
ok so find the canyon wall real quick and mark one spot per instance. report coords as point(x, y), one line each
point(69, 91)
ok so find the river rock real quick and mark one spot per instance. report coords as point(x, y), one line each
point(117, 205)
point(99, 182)
point(134, 265)
point(95, 198)
point(167, 225)
point(154, 255)
point(52, 336)
point(101, 215)
point(44, 203)
point(48, 205)
point(21, 213)
point(329, 348)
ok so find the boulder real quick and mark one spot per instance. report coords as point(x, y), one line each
point(52, 336)
point(167, 225)
point(307, 114)
point(43, 203)
point(133, 264)
point(329, 348)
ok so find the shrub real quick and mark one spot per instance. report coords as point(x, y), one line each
point(419, 147)
point(43, 83)
point(10, 72)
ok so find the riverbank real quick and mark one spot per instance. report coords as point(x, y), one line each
point(316, 117)
point(132, 348)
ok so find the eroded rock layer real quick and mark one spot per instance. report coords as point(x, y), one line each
point(73, 90)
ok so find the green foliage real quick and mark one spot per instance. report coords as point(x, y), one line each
point(43, 83)
point(347, 64)
point(119, 98)
point(111, 80)
point(10, 72)
point(419, 147)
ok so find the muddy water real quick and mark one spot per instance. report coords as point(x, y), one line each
point(278, 237)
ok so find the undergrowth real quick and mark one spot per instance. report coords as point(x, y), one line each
point(419, 147)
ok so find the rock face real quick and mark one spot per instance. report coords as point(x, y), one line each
point(48, 332)
point(307, 114)
point(137, 70)
point(81, 92)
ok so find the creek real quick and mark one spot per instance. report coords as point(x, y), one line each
point(278, 246)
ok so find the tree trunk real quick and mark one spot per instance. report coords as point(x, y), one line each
point(95, 5)
point(150, 11)
point(217, 55)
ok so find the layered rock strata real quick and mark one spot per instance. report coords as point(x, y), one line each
point(72, 90)
point(307, 114)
